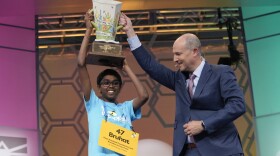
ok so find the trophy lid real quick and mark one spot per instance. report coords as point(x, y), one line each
point(113, 2)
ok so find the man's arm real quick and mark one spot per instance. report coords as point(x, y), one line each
point(158, 72)
point(83, 73)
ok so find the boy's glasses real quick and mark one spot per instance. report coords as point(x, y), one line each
point(108, 83)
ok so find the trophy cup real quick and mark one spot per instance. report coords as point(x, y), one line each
point(105, 50)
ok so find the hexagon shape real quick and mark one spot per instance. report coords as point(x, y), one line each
point(164, 91)
point(42, 81)
point(129, 92)
point(67, 65)
point(165, 109)
point(61, 101)
point(83, 122)
point(63, 141)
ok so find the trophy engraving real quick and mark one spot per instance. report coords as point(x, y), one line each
point(105, 50)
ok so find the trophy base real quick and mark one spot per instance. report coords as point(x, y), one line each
point(105, 54)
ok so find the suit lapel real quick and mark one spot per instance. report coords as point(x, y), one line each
point(205, 74)
point(183, 87)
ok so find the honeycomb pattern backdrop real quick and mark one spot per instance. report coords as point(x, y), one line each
point(63, 118)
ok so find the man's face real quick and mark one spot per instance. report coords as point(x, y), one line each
point(110, 88)
point(182, 56)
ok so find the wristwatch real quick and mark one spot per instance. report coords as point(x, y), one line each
point(202, 124)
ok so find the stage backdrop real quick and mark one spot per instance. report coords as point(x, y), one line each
point(63, 115)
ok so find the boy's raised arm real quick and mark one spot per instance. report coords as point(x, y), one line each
point(83, 73)
point(143, 95)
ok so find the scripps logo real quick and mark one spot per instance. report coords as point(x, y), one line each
point(13, 146)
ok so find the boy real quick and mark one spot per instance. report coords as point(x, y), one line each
point(107, 108)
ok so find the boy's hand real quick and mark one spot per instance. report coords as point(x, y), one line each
point(123, 68)
point(88, 18)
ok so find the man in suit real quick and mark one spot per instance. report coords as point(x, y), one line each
point(208, 98)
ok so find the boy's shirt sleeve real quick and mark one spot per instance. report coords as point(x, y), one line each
point(134, 115)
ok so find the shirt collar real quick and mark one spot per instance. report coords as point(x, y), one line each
point(198, 70)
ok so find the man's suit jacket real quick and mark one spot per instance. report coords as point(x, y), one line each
point(218, 101)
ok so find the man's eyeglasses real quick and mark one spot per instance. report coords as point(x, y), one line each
point(108, 83)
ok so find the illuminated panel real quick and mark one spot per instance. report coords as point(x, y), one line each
point(263, 38)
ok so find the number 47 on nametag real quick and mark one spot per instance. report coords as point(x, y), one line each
point(118, 139)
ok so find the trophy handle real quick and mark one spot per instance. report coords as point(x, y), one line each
point(119, 27)
point(94, 24)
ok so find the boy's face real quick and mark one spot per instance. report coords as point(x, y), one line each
point(110, 88)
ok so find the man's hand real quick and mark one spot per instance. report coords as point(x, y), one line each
point(127, 25)
point(193, 128)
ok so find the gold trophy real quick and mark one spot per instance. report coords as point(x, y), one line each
point(105, 50)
